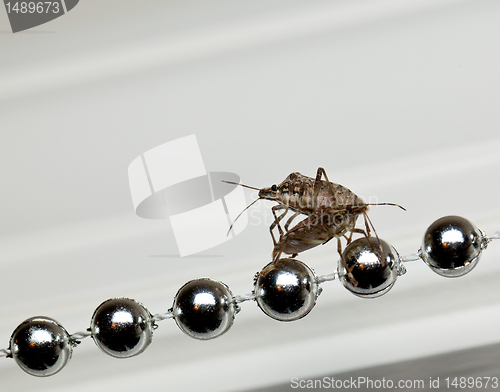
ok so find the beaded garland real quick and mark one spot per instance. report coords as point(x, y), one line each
point(286, 290)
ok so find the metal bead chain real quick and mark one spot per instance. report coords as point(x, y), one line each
point(286, 290)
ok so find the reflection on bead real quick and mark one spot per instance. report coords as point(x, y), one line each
point(204, 308)
point(452, 246)
point(286, 290)
point(122, 327)
point(371, 267)
point(41, 346)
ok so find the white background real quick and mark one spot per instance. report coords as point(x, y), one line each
point(397, 100)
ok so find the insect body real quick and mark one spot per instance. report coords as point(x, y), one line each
point(331, 209)
point(331, 212)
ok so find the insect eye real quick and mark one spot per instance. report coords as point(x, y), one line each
point(274, 188)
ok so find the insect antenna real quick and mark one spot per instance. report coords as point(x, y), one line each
point(386, 204)
point(247, 207)
point(237, 183)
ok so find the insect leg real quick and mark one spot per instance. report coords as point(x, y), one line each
point(359, 231)
point(277, 220)
point(289, 221)
point(277, 251)
point(366, 233)
point(279, 247)
point(317, 183)
point(369, 223)
point(367, 226)
point(342, 260)
point(319, 173)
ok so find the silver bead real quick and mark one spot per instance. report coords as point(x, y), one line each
point(122, 327)
point(204, 308)
point(41, 346)
point(286, 290)
point(452, 246)
point(372, 267)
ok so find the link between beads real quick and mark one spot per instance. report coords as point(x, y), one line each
point(411, 257)
point(163, 316)
point(494, 236)
point(325, 278)
point(246, 297)
point(78, 336)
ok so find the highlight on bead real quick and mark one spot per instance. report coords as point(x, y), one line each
point(41, 346)
point(452, 246)
point(371, 267)
point(122, 327)
point(204, 308)
point(286, 290)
